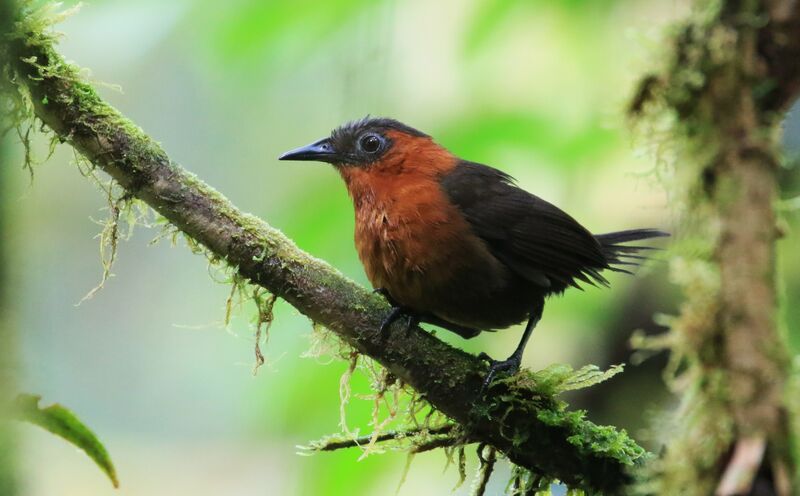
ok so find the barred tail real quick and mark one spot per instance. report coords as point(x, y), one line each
point(618, 254)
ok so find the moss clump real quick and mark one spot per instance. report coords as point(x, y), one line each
point(535, 395)
point(417, 427)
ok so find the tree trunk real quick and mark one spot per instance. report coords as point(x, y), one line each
point(732, 74)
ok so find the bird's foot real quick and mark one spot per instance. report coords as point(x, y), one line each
point(386, 296)
point(397, 313)
point(382, 291)
point(510, 366)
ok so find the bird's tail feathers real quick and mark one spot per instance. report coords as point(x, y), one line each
point(619, 255)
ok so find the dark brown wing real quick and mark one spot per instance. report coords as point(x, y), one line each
point(533, 238)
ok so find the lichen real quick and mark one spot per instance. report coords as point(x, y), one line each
point(265, 302)
point(396, 409)
point(345, 391)
point(125, 213)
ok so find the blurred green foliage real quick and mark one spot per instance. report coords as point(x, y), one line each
point(8, 448)
point(8, 445)
point(481, 135)
point(278, 29)
point(491, 15)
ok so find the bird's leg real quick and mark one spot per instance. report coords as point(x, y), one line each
point(512, 363)
point(395, 314)
point(385, 293)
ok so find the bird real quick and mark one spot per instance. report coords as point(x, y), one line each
point(458, 244)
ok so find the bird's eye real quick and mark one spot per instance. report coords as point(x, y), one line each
point(370, 143)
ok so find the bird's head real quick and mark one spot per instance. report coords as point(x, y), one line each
point(369, 144)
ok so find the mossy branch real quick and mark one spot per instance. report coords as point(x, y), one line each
point(526, 423)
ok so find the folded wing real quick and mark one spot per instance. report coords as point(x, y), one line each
point(535, 239)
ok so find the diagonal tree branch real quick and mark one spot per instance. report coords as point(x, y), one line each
point(531, 427)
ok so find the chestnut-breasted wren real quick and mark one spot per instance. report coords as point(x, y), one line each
point(455, 243)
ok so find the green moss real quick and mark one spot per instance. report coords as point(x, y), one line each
point(558, 378)
point(591, 440)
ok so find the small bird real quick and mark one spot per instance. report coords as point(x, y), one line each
point(455, 243)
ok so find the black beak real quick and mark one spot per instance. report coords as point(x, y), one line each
point(321, 151)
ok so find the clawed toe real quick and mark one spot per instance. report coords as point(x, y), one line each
point(395, 314)
point(392, 316)
point(510, 366)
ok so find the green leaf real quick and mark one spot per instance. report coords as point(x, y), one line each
point(62, 422)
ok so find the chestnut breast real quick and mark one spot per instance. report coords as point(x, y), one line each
point(411, 240)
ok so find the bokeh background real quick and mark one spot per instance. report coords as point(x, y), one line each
point(536, 88)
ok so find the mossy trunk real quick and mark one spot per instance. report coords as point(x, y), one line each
point(732, 74)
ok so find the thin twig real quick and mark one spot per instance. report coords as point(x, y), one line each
point(386, 436)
